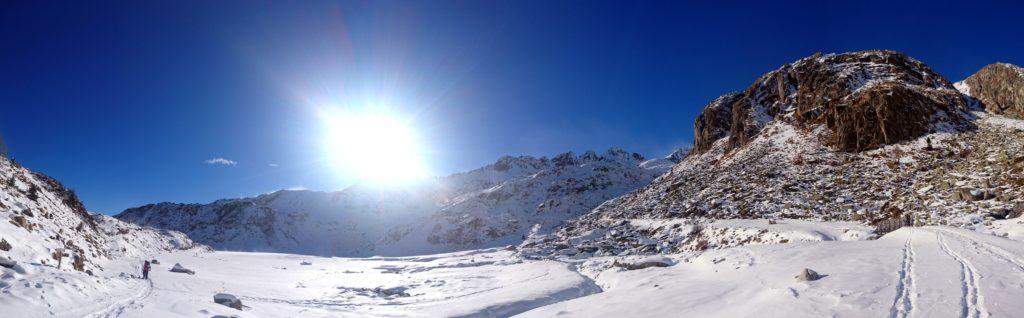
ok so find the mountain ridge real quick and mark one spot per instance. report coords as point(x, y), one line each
point(494, 205)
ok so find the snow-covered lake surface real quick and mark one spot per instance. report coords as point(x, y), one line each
point(920, 272)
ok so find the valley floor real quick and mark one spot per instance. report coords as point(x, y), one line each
point(919, 272)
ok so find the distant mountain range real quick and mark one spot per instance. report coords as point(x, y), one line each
point(499, 204)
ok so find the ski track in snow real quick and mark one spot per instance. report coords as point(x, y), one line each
point(132, 303)
point(993, 250)
point(903, 305)
point(973, 303)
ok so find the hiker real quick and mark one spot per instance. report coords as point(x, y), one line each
point(145, 270)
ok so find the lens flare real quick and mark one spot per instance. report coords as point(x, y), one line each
point(374, 147)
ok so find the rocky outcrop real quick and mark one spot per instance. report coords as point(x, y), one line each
point(999, 87)
point(864, 99)
point(714, 122)
point(888, 113)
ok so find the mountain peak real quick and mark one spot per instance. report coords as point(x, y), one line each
point(999, 87)
point(902, 97)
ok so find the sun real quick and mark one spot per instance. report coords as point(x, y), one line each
point(373, 147)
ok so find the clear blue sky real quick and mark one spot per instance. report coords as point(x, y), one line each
point(126, 102)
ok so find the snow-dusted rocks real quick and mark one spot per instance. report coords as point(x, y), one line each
point(645, 262)
point(807, 275)
point(860, 100)
point(177, 268)
point(39, 216)
point(227, 300)
point(397, 291)
point(492, 206)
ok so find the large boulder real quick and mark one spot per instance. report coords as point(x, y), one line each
point(181, 269)
point(999, 87)
point(807, 275)
point(864, 100)
point(228, 300)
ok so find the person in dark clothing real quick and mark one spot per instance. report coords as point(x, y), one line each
point(145, 270)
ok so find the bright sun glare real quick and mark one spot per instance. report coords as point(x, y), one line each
point(373, 147)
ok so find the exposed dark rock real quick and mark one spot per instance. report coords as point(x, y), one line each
point(228, 300)
point(177, 268)
point(888, 113)
point(714, 122)
point(999, 87)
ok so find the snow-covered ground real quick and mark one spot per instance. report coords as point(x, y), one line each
point(921, 272)
point(483, 283)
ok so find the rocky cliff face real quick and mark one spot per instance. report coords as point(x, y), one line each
point(714, 122)
point(999, 87)
point(864, 100)
point(496, 205)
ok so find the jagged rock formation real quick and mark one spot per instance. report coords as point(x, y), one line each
point(492, 206)
point(864, 100)
point(43, 217)
point(714, 122)
point(865, 137)
point(999, 87)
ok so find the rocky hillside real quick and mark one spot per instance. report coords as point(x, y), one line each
point(496, 205)
point(865, 137)
point(861, 101)
point(999, 87)
point(43, 216)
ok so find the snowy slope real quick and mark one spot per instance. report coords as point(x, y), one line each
point(920, 272)
point(42, 216)
point(492, 206)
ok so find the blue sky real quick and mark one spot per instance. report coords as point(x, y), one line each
point(126, 102)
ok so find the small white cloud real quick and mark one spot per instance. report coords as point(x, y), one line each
point(272, 165)
point(221, 161)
